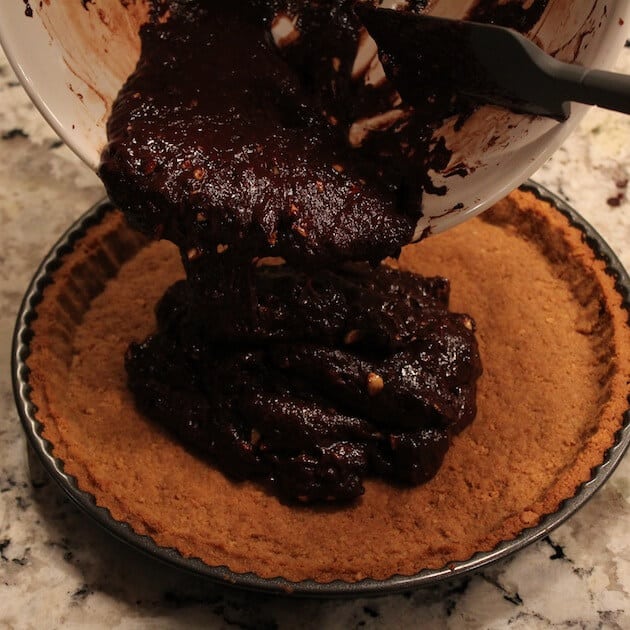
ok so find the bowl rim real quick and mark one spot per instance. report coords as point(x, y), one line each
point(436, 215)
point(77, 145)
point(278, 585)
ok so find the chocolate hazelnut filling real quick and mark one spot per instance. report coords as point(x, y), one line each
point(319, 369)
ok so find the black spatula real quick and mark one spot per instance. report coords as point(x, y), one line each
point(430, 60)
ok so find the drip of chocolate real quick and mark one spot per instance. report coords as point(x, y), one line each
point(312, 381)
point(312, 374)
point(237, 137)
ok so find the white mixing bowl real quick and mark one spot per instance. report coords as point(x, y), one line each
point(72, 58)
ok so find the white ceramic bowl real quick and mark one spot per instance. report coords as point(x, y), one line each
point(73, 58)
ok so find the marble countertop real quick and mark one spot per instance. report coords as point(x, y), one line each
point(57, 568)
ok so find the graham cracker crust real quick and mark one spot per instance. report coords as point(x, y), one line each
point(555, 346)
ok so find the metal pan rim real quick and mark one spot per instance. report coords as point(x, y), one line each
point(279, 585)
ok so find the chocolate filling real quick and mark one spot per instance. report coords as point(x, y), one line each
point(313, 373)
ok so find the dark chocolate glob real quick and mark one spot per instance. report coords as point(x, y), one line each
point(314, 372)
point(312, 382)
point(214, 141)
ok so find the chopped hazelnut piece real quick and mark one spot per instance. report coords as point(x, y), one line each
point(352, 337)
point(375, 384)
point(284, 30)
point(268, 261)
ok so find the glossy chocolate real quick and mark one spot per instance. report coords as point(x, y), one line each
point(313, 374)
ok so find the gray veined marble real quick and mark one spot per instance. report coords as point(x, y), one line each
point(58, 569)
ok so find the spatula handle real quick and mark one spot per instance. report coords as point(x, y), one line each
point(595, 87)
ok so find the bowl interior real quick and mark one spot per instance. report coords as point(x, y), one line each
point(73, 57)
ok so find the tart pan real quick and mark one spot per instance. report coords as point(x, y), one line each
point(250, 581)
